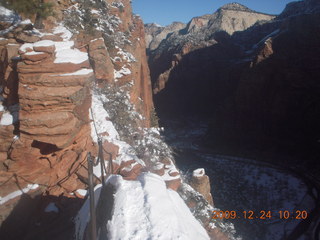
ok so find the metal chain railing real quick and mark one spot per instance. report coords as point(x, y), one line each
point(91, 163)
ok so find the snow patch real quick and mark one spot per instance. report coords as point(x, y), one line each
point(63, 32)
point(18, 193)
point(83, 71)
point(44, 43)
point(33, 53)
point(146, 209)
point(71, 56)
point(200, 172)
point(6, 119)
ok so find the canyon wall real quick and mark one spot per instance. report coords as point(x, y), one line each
point(47, 77)
point(258, 86)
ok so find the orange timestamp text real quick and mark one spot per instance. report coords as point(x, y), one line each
point(263, 214)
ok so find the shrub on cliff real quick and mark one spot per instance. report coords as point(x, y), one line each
point(29, 8)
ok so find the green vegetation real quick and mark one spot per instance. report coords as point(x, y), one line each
point(29, 8)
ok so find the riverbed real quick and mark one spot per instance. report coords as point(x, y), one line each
point(268, 201)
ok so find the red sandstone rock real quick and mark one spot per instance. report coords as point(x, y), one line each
point(100, 59)
point(52, 67)
point(52, 37)
point(174, 184)
point(35, 57)
point(46, 49)
point(201, 184)
point(55, 79)
point(131, 174)
point(26, 37)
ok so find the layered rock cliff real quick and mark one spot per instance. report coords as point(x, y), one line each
point(199, 33)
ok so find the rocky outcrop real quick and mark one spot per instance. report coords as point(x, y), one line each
point(46, 80)
point(201, 183)
point(200, 32)
point(155, 33)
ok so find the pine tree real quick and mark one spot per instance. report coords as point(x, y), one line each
point(29, 8)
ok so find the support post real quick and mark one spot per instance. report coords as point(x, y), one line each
point(101, 160)
point(93, 224)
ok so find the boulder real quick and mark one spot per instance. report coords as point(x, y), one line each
point(35, 56)
point(174, 184)
point(46, 49)
point(52, 37)
point(27, 37)
point(100, 59)
point(201, 183)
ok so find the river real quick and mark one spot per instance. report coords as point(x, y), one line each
point(246, 186)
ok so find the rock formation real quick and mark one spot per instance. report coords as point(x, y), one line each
point(46, 79)
point(199, 33)
point(80, 79)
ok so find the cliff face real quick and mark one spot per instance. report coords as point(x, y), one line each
point(199, 33)
point(258, 86)
point(47, 78)
point(81, 78)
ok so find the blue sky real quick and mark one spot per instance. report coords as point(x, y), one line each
point(165, 12)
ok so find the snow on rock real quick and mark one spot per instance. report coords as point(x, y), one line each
point(103, 125)
point(200, 172)
point(83, 217)
point(51, 208)
point(18, 193)
point(24, 47)
point(146, 209)
point(63, 32)
point(7, 15)
point(122, 72)
point(83, 71)
point(71, 55)
point(128, 57)
point(82, 192)
point(63, 45)
point(34, 53)
point(6, 119)
point(44, 43)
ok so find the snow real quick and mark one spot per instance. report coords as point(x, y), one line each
point(122, 72)
point(44, 43)
point(83, 217)
point(63, 32)
point(18, 193)
point(82, 192)
point(63, 45)
point(6, 119)
point(27, 21)
point(26, 46)
point(51, 208)
point(126, 55)
point(100, 116)
point(71, 55)
point(158, 166)
point(200, 172)
point(7, 15)
point(83, 71)
point(33, 53)
point(146, 209)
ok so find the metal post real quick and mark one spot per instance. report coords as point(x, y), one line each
point(101, 160)
point(93, 225)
